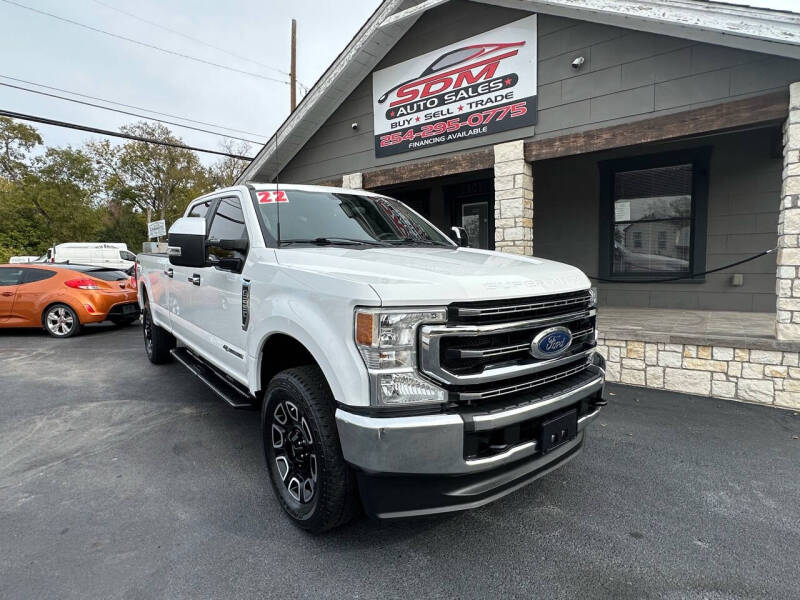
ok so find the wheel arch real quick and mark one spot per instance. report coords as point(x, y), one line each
point(280, 351)
point(52, 303)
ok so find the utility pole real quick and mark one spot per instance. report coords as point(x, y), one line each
point(293, 68)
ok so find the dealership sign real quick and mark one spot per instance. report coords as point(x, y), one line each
point(476, 87)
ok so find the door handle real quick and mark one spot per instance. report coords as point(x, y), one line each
point(168, 273)
point(7, 294)
point(195, 279)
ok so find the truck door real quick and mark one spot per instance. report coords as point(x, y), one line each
point(183, 297)
point(10, 278)
point(220, 312)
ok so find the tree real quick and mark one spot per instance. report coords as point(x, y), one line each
point(102, 193)
point(156, 180)
point(55, 201)
point(225, 171)
point(16, 142)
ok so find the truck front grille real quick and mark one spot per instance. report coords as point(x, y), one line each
point(484, 350)
point(503, 311)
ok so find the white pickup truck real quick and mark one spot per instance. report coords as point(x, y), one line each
point(396, 369)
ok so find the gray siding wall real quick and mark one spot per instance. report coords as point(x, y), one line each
point(744, 195)
point(628, 75)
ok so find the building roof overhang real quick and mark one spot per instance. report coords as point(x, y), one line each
point(748, 28)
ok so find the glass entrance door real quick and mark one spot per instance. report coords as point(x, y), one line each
point(472, 207)
point(475, 219)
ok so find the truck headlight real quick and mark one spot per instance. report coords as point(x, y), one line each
point(387, 341)
point(593, 296)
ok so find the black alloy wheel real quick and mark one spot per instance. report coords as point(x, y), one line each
point(293, 451)
point(314, 484)
point(147, 330)
point(158, 342)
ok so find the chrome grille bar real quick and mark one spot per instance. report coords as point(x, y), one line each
point(493, 351)
point(521, 387)
point(518, 308)
point(432, 335)
point(503, 350)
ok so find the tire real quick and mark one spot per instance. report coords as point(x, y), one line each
point(309, 475)
point(60, 321)
point(157, 341)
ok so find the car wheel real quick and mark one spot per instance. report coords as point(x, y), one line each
point(61, 321)
point(157, 341)
point(311, 479)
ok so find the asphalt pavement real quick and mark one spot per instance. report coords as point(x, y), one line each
point(120, 479)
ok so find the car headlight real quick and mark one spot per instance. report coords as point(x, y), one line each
point(387, 341)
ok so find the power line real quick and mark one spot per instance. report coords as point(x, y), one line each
point(188, 37)
point(119, 134)
point(155, 112)
point(145, 44)
point(125, 112)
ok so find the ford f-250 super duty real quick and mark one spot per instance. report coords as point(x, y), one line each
point(396, 369)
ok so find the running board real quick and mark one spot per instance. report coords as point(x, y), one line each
point(233, 393)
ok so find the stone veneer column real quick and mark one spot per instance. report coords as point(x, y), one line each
point(353, 181)
point(513, 199)
point(787, 326)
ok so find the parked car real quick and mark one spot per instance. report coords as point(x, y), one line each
point(18, 260)
point(61, 298)
point(110, 255)
point(394, 367)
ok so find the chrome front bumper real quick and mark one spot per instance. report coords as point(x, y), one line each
point(434, 444)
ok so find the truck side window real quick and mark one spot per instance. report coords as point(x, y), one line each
point(228, 224)
point(200, 210)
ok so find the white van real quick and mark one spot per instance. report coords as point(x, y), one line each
point(103, 254)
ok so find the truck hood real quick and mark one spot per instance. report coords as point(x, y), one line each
point(417, 276)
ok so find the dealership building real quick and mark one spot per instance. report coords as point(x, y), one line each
point(640, 140)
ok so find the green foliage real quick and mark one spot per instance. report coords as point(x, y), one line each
point(157, 180)
point(102, 193)
point(16, 142)
point(53, 202)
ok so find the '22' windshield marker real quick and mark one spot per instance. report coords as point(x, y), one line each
point(272, 197)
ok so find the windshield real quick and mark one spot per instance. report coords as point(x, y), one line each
point(325, 218)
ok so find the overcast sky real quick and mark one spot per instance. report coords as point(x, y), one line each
point(44, 50)
point(47, 51)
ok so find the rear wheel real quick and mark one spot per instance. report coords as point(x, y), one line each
point(157, 341)
point(311, 479)
point(60, 321)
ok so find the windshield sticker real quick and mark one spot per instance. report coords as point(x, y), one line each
point(272, 197)
point(405, 226)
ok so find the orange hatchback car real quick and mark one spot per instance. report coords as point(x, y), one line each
point(61, 297)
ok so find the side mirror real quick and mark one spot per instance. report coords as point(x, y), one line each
point(187, 242)
point(459, 236)
point(236, 245)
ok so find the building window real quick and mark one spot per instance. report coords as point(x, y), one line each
point(653, 215)
point(662, 242)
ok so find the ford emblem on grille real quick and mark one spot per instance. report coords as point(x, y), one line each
point(551, 342)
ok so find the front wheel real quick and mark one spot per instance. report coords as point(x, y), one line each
point(311, 479)
point(61, 321)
